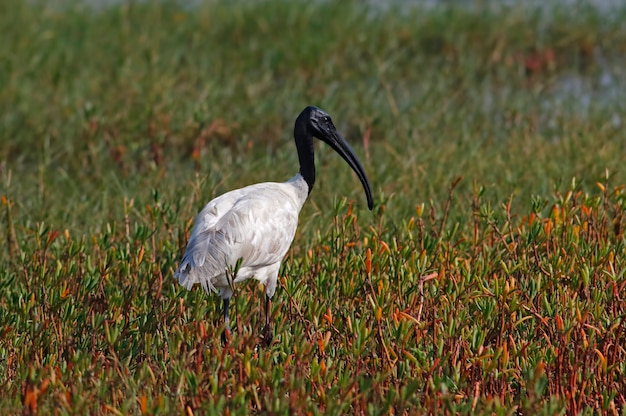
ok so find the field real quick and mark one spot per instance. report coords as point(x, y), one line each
point(488, 279)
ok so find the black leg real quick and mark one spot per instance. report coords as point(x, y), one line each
point(267, 330)
point(226, 333)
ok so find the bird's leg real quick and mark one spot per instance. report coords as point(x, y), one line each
point(267, 330)
point(226, 333)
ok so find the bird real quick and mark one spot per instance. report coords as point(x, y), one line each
point(245, 233)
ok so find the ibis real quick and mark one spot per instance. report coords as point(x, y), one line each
point(245, 233)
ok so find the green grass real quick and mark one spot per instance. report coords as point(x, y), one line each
point(499, 291)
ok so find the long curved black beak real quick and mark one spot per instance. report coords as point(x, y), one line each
point(341, 146)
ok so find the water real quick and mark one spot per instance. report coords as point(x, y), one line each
point(604, 6)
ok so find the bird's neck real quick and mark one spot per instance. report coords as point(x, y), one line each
point(304, 144)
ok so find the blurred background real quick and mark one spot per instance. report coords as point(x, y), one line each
point(103, 100)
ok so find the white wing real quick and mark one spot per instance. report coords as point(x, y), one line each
point(255, 224)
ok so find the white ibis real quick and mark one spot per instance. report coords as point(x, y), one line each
point(246, 233)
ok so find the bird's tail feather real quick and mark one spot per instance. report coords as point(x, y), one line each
point(187, 276)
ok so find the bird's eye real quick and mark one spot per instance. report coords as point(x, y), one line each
point(326, 119)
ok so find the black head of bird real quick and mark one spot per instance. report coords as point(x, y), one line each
point(314, 122)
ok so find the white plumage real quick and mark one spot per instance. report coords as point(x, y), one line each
point(255, 224)
point(246, 233)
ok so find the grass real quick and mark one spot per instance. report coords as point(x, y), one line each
point(489, 278)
